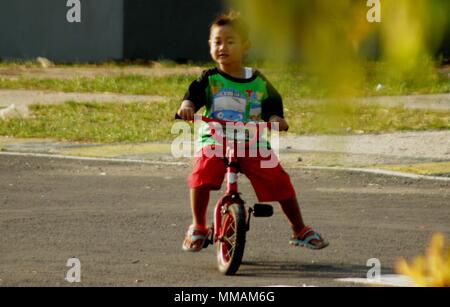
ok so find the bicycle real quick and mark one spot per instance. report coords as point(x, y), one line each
point(231, 217)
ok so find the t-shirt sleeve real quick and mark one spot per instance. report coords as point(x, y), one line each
point(197, 91)
point(272, 105)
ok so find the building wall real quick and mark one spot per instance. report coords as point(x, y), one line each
point(32, 28)
point(169, 29)
point(117, 30)
point(109, 30)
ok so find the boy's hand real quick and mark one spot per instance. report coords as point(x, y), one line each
point(187, 111)
point(281, 121)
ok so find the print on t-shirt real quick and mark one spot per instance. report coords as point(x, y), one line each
point(228, 104)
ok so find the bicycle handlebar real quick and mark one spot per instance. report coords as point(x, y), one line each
point(267, 125)
point(260, 126)
point(225, 122)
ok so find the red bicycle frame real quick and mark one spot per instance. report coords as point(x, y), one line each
point(231, 195)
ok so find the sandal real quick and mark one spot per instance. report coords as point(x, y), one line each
point(305, 238)
point(195, 239)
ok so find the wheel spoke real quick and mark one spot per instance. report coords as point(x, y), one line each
point(233, 227)
point(230, 240)
point(230, 251)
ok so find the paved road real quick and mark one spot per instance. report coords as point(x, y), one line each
point(125, 223)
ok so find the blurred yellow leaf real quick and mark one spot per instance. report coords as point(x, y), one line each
point(432, 270)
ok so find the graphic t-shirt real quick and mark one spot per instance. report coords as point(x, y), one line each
point(232, 99)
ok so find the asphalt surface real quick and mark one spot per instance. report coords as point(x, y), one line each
point(125, 222)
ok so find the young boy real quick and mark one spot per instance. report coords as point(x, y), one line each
point(233, 92)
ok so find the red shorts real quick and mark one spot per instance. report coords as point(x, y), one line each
point(270, 184)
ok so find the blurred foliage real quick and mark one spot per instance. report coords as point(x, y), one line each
point(431, 270)
point(334, 39)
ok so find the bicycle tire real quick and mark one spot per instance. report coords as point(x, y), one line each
point(230, 250)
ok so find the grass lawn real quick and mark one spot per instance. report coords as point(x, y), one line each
point(125, 84)
point(293, 82)
point(141, 122)
point(146, 122)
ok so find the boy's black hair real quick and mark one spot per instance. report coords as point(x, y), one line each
point(234, 20)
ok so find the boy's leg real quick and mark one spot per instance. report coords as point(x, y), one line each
point(207, 175)
point(197, 232)
point(199, 206)
point(267, 183)
point(292, 211)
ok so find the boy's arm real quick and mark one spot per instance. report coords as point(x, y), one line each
point(195, 98)
point(272, 107)
point(186, 110)
point(282, 122)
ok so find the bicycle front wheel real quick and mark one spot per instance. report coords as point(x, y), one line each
point(230, 249)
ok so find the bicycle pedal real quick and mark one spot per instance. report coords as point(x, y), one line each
point(262, 210)
point(209, 239)
point(207, 243)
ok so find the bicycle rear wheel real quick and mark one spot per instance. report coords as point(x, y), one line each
point(230, 249)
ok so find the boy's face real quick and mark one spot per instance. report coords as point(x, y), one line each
point(227, 47)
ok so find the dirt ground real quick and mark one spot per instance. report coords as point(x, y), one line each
point(24, 98)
